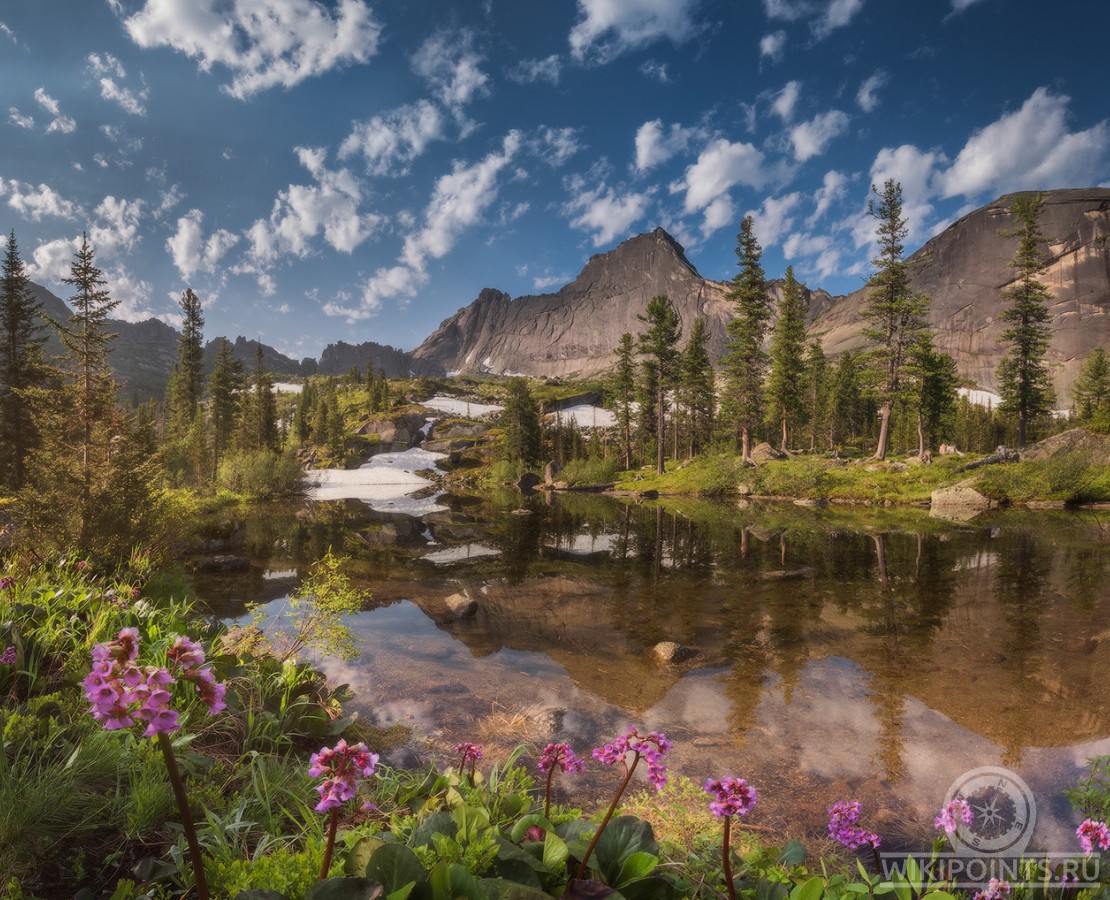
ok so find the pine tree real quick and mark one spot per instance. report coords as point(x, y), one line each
point(647, 395)
point(258, 412)
point(1091, 391)
point(745, 361)
point(786, 385)
point(660, 343)
point(521, 422)
point(1023, 378)
point(935, 381)
point(623, 386)
point(816, 390)
point(697, 389)
point(846, 408)
point(896, 311)
point(187, 382)
point(224, 385)
point(22, 365)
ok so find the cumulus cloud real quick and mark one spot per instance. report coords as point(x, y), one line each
point(8, 33)
point(788, 10)
point(720, 166)
point(866, 96)
point(786, 99)
point(655, 144)
point(107, 69)
point(116, 227)
point(450, 65)
point(1027, 149)
point(657, 71)
point(458, 202)
point(833, 188)
point(191, 251)
point(836, 14)
point(113, 231)
point(773, 218)
point(772, 45)
point(528, 71)
point(36, 202)
point(18, 119)
point(263, 44)
point(132, 293)
point(960, 5)
point(825, 15)
point(391, 141)
point(58, 122)
point(915, 170)
point(608, 28)
point(603, 212)
point(557, 145)
point(811, 138)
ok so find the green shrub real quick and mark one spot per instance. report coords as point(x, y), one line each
point(590, 471)
point(806, 477)
point(260, 474)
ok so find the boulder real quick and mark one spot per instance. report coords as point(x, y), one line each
point(764, 452)
point(670, 652)
point(551, 472)
point(527, 482)
point(960, 502)
point(459, 606)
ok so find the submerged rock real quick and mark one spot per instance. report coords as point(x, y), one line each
point(459, 606)
point(670, 652)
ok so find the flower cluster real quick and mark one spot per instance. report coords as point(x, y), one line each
point(952, 814)
point(652, 747)
point(731, 796)
point(342, 767)
point(560, 756)
point(844, 827)
point(997, 889)
point(117, 684)
point(468, 753)
point(1091, 833)
point(7, 658)
point(6, 582)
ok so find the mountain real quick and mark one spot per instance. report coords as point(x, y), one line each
point(575, 330)
point(963, 270)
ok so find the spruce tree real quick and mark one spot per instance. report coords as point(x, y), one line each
point(623, 386)
point(846, 406)
point(935, 381)
point(521, 422)
point(258, 412)
point(660, 343)
point(745, 361)
point(224, 385)
point(187, 381)
point(22, 365)
point(816, 390)
point(1023, 380)
point(895, 311)
point(1091, 391)
point(697, 388)
point(786, 385)
point(647, 395)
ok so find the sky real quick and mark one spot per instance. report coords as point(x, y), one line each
point(323, 170)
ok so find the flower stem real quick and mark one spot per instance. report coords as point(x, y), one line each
point(878, 861)
point(186, 815)
point(333, 825)
point(547, 796)
point(612, 808)
point(726, 860)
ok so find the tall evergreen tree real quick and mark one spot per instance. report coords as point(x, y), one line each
point(258, 411)
point(786, 385)
point(745, 361)
point(895, 311)
point(647, 396)
point(623, 386)
point(224, 385)
point(1023, 380)
point(697, 389)
point(187, 382)
point(660, 343)
point(816, 390)
point(1091, 391)
point(22, 365)
point(520, 420)
point(846, 406)
point(935, 381)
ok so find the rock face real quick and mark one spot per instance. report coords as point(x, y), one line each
point(964, 268)
point(575, 330)
point(339, 358)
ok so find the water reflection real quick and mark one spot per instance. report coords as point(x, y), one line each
point(838, 654)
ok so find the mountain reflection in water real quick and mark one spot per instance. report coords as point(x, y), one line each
point(840, 655)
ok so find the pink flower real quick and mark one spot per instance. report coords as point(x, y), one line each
point(952, 814)
point(342, 767)
point(468, 753)
point(7, 658)
point(844, 826)
point(1091, 833)
point(997, 889)
point(562, 757)
point(652, 747)
point(7, 582)
point(731, 796)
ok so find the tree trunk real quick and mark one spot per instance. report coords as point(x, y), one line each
point(784, 432)
point(746, 444)
point(884, 431)
point(1021, 431)
point(920, 436)
point(660, 429)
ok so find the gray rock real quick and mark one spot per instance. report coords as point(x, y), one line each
point(459, 606)
point(670, 652)
point(528, 482)
point(960, 502)
point(764, 452)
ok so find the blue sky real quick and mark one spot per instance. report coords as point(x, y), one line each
point(360, 169)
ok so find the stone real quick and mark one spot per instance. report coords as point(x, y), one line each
point(764, 452)
point(550, 471)
point(1095, 448)
point(521, 511)
point(813, 502)
point(744, 490)
point(459, 606)
point(561, 485)
point(527, 482)
point(960, 502)
point(670, 652)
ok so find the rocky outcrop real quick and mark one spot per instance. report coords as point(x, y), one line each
point(575, 330)
point(965, 268)
point(341, 357)
point(960, 502)
point(1094, 448)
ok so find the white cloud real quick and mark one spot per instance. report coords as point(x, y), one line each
point(772, 45)
point(960, 5)
point(655, 70)
point(788, 10)
point(832, 189)
point(602, 212)
point(773, 218)
point(458, 202)
point(117, 227)
point(719, 167)
point(866, 96)
point(58, 122)
point(264, 43)
point(557, 145)
point(914, 169)
point(17, 118)
point(168, 200)
point(107, 69)
point(656, 144)
point(451, 67)
point(801, 244)
point(51, 260)
point(132, 293)
point(1028, 149)
point(35, 202)
point(8, 33)
point(391, 141)
point(836, 14)
point(527, 71)
point(786, 99)
point(191, 252)
point(811, 138)
point(546, 282)
point(608, 28)
point(718, 214)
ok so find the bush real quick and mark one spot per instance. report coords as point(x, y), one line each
point(590, 471)
point(793, 478)
point(260, 474)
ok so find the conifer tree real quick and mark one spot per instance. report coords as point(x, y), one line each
point(660, 343)
point(520, 420)
point(895, 311)
point(816, 390)
point(258, 412)
point(935, 381)
point(647, 395)
point(224, 385)
point(697, 389)
point(1023, 380)
point(786, 385)
point(846, 408)
point(745, 361)
point(22, 365)
point(187, 381)
point(1091, 391)
point(623, 386)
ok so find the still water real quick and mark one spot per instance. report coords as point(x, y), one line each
point(840, 654)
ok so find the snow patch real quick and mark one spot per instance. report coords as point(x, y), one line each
point(460, 554)
point(584, 415)
point(384, 483)
point(455, 407)
point(980, 398)
point(287, 387)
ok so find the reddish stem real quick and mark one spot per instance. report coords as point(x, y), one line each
point(333, 825)
point(612, 808)
point(186, 815)
point(726, 859)
point(547, 796)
